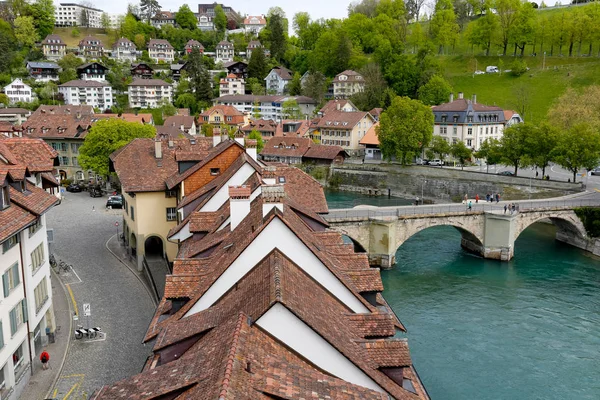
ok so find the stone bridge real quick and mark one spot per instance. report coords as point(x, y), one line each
point(486, 230)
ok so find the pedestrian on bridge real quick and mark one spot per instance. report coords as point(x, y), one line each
point(505, 207)
point(470, 205)
point(477, 198)
point(497, 198)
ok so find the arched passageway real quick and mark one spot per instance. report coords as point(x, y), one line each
point(153, 246)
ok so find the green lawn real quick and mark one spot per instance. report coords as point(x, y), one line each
point(542, 86)
point(65, 35)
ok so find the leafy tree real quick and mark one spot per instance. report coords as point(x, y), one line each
point(514, 145)
point(148, 9)
point(443, 26)
point(573, 108)
point(278, 34)
point(295, 86)
point(307, 31)
point(508, 13)
point(105, 22)
point(199, 76)
point(436, 91)
point(206, 130)
point(524, 27)
point(187, 100)
point(67, 75)
point(254, 134)
point(42, 12)
point(140, 41)
point(167, 108)
point(70, 61)
point(332, 52)
point(578, 148)
point(7, 46)
point(75, 32)
point(483, 31)
point(405, 128)
point(106, 137)
point(4, 99)
point(461, 152)
point(315, 86)
point(290, 109)
point(491, 151)
point(257, 66)
point(440, 147)
point(220, 19)
point(25, 31)
point(185, 18)
point(541, 145)
point(375, 86)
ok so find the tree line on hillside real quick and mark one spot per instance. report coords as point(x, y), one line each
point(570, 137)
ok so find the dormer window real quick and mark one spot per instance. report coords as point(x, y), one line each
point(444, 117)
point(4, 198)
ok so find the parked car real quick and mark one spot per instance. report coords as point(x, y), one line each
point(595, 171)
point(114, 202)
point(506, 173)
point(479, 72)
point(492, 69)
point(437, 162)
point(73, 187)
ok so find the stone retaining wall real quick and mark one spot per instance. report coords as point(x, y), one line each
point(442, 184)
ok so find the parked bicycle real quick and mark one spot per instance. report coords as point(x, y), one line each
point(90, 333)
point(64, 266)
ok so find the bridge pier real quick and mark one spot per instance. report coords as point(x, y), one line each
point(499, 236)
point(382, 243)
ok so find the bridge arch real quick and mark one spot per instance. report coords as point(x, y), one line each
point(470, 229)
point(567, 222)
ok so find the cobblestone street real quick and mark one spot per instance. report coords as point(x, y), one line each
point(119, 302)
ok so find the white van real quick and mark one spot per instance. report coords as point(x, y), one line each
point(437, 162)
point(492, 69)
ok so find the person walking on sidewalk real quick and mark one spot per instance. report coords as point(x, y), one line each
point(505, 207)
point(45, 359)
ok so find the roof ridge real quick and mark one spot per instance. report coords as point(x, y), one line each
point(231, 357)
point(277, 276)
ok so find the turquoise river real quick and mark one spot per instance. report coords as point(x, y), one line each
point(482, 329)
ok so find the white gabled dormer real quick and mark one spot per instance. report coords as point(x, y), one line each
point(282, 324)
point(222, 195)
point(277, 235)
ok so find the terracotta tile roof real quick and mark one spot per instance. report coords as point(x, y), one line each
point(388, 353)
point(14, 219)
point(376, 112)
point(283, 73)
point(373, 324)
point(341, 119)
point(140, 171)
point(286, 147)
point(171, 133)
point(301, 128)
point(87, 41)
point(179, 286)
point(261, 19)
point(371, 137)
point(180, 120)
point(36, 154)
point(353, 76)
point(334, 105)
point(65, 122)
point(164, 15)
point(240, 192)
point(35, 200)
point(193, 43)
point(13, 110)
point(155, 44)
point(237, 118)
point(324, 152)
point(261, 125)
point(124, 41)
point(56, 40)
point(508, 114)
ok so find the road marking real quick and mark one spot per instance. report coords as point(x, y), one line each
point(597, 190)
point(55, 393)
point(72, 299)
point(76, 385)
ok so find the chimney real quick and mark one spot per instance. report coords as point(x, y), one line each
point(170, 144)
point(251, 148)
point(272, 197)
point(216, 136)
point(239, 204)
point(338, 106)
point(451, 97)
point(474, 99)
point(268, 175)
point(460, 95)
point(239, 137)
point(157, 148)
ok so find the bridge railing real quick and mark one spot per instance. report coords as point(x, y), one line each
point(459, 209)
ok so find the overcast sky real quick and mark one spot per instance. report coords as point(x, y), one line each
point(316, 8)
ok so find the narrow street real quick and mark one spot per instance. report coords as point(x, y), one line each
point(119, 302)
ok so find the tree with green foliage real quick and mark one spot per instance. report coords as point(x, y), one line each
point(483, 31)
point(207, 130)
point(185, 18)
point(75, 32)
point(148, 9)
point(140, 41)
point(220, 20)
point(42, 12)
point(66, 75)
point(25, 31)
point(436, 91)
point(290, 109)
point(186, 100)
point(4, 99)
point(7, 46)
point(541, 145)
point(257, 66)
point(491, 151)
point(375, 86)
point(107, 136)
point(260, 144)
point(405, 128)
point(315, 86)
point(295, 86)
point(105, 22)
point(508, 14)
point(167, 108)
point(70, 61)
point(461, 152)
point(578, 148)
point(524, 27)
point(443, 27)
point(440, 147)
point(277, 33)
point(199, 76)
point(514, 145)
